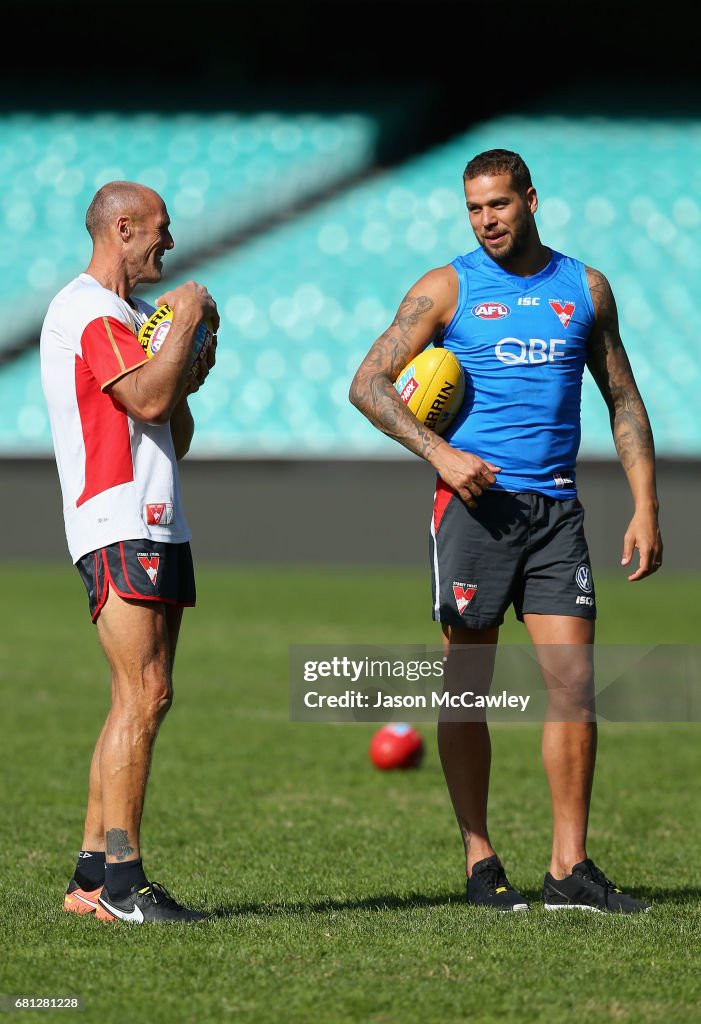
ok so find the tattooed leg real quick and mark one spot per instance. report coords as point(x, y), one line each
point(117, 844)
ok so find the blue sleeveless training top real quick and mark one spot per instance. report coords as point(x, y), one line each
point(522, 342)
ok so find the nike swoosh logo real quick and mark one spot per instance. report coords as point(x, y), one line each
point(84, 900)
point(135, 915)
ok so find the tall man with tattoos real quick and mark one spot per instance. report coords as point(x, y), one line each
point(120, 423)
point(507, 526)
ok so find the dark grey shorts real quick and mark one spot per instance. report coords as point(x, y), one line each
point(139, 570)
point(520, 549)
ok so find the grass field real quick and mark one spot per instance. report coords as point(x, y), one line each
point(339, 889)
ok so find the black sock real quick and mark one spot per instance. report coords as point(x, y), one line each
point(120, 879)
point(90, 869)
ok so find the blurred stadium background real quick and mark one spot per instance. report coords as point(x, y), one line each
point(311, 158)
point(309, 197)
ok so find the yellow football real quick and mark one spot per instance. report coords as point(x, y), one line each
point(432, 386)
point(155, 331)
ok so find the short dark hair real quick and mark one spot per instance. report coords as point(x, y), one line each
point(499, 161)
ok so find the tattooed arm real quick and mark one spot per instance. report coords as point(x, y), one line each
point(421, 318)
point(609, 366)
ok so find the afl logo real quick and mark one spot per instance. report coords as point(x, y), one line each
point(159, 335)
point(490, 310)
point(583, 578)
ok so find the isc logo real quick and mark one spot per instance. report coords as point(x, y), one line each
point(490, 310)
point(535, 350)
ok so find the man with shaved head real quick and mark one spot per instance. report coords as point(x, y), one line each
point(120, 422)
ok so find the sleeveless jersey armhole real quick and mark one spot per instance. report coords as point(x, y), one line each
point(463, 294)
point(586, 291)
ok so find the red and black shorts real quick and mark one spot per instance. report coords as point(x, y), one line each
point(139, 570)
point(521, 549)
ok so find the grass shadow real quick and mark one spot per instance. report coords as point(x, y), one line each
point(383, 902)
point(378, 903)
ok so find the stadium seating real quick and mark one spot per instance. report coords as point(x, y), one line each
point(301, 303)
point(221, 173)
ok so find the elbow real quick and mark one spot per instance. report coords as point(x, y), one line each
point(151, 409)
point(157, 413)
point(356, 393)
point(148, 404)
point(160, 418)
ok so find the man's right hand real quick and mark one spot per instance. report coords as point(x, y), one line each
point(191, 301)
point(467, 474)
point(152, 389)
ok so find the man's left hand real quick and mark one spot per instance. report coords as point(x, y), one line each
point(201, 367)
point(643, 533)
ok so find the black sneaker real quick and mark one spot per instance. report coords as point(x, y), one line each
point(588, 888)
point(488, 886)
point(150, 904)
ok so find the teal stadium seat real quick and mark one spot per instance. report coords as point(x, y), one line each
point(221, 174)
point(301, 303)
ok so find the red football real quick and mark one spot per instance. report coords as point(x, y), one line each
point(396, 746)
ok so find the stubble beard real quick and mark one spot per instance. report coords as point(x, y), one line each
point(516, 246)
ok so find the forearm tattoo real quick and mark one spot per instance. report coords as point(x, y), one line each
point(609, 365)
point(117, 843)
point(631, 428)
point(373, 391)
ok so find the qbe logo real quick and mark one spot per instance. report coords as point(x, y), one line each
point(583, 578)
point(536, 350)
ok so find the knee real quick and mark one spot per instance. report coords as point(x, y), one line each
point(158, 693)
point(154, 705)
point(148, 697)
point(573, 687)
point(161, 700)
point(578, 679)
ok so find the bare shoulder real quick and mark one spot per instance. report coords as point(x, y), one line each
point(422, 315)
point(439, 282)
point(431, 299)
point(601, 293)
point(607, 357)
